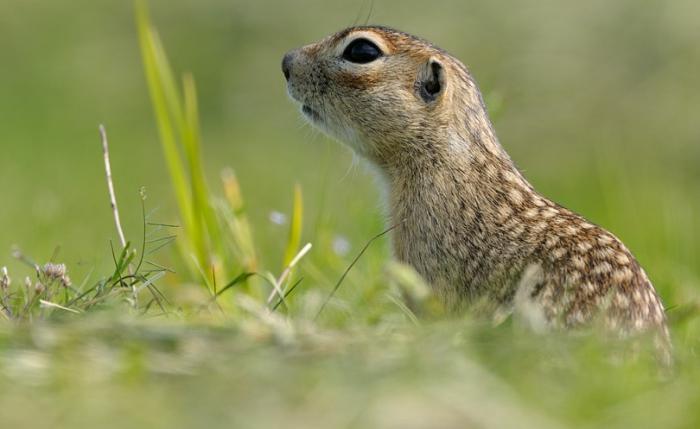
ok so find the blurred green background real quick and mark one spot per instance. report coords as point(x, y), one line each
point(598, 102)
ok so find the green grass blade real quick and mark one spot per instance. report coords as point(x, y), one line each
point(295, 226)
point(239, 226)
point(166, 105)
point(192, 148)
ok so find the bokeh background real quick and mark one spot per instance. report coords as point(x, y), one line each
point(598, 102)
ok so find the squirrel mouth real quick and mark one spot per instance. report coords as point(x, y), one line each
point(311, 113)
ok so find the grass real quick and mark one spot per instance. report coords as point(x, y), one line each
point(180, 331)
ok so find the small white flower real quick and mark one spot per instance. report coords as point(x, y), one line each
point(278, 218)
point(54, 271)
point(5, 280)
point(341, 245)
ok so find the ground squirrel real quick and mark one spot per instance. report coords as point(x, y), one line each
point(468, 221)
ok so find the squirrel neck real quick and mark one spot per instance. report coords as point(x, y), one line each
point(465, 202)
point(465, 164)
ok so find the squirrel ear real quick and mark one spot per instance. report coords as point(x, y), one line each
point(431, 80)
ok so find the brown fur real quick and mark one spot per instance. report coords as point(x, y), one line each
point(468, 221)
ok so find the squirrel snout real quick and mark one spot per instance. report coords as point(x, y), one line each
point(287, 64)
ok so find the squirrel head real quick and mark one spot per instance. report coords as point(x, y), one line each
point(387, 94)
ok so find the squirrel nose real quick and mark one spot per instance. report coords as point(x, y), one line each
point(286, 64)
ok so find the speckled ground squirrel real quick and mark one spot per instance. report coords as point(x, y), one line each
point(468, 221)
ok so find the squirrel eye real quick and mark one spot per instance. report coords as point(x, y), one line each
point(361, 51)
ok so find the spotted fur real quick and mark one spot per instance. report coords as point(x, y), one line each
point(468, 221)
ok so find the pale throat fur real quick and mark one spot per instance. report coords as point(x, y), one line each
point(467, 220)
